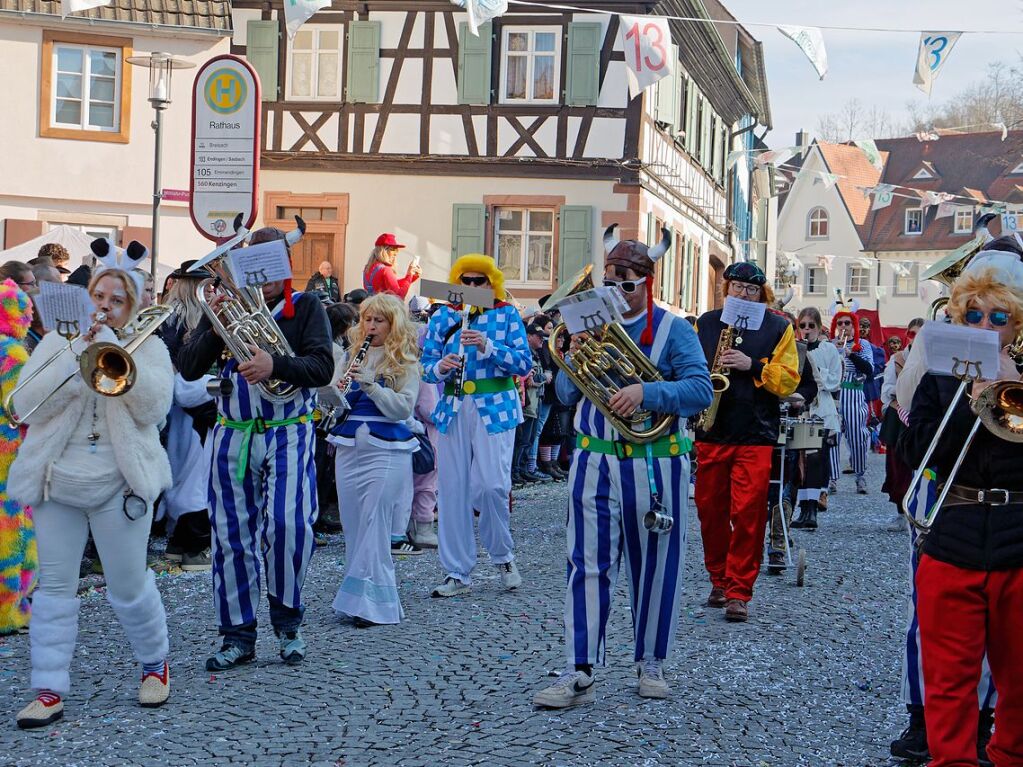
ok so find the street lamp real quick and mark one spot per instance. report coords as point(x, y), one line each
point(161, 67)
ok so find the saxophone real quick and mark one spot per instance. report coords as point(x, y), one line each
point(718, 379)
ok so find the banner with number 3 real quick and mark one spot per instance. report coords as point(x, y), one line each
point(647, 44)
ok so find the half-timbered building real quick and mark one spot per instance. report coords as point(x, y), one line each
point(521, 142)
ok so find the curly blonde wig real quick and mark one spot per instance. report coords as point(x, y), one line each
point(401, 347)
point(983, 285)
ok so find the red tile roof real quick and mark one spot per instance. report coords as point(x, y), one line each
point(969, 165)
point(855, 172)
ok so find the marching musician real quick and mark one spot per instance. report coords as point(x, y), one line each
point(374, 456)
point(969, 570)
point(92, 463)
point(263, 477)
point(735, 454)
point(857, 367)
point(614, 484)
point(474, 447)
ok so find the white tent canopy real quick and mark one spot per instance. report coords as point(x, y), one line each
point(77, 244)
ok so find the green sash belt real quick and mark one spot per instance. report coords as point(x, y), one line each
point(852, 385)
point(481, 386)
point(666, 447)
point(255, 426)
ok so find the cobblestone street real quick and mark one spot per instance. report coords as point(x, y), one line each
point(812, 679)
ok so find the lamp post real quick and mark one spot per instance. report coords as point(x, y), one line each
point(161, 67)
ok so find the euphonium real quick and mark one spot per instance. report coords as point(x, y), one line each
point(243, 319)
point(605, 362)
point(718, 379)
point(106, 368)
point(947, 270)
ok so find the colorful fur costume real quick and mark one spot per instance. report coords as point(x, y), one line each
point(17, 539)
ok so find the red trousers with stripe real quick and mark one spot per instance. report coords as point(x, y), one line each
point(962, 613)
point(731, 501)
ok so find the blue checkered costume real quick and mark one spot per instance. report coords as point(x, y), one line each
point(475, 446)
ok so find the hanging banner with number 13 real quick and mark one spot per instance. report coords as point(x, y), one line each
point(647, 44)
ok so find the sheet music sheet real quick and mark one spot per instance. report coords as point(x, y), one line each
point(457, 294)
point(747, 315)
point(259, 264)
point(66, 309)
point(586, 315)
point(946, 348)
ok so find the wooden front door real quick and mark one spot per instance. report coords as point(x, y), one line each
point(326, 219)
point(311, 251)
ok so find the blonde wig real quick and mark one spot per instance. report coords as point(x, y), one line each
point(401, 347)
point(374, 257)
point(985, 286)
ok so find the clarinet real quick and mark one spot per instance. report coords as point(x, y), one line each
point(460, 374)
point(332, 418)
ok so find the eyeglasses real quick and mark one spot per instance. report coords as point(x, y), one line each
point(749, 290)
point(626, 286)
point(477, 281)
point(807, 325)
point(32, 284)
point(997, 317)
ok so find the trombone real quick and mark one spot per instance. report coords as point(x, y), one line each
point(999, 408)
point(106, 368)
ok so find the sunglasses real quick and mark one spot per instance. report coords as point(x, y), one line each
point(998, 318)
point(477, 281)
point(626, 286)
point(749, 290)
point(807, 325)
point(843, 324)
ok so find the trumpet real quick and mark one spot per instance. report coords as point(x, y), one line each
point(106, 368)
point(999, 408)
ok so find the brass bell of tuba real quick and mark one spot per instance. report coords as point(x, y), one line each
point(947, 270)
point(608, 360)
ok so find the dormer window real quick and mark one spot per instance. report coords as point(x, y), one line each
point(1017, 171)
point(914, 221)
point(925, 172)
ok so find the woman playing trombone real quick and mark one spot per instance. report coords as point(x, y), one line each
point(970, 576)
point(94, 463)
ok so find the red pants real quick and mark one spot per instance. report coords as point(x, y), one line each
point(731, 500)
point(962, 613)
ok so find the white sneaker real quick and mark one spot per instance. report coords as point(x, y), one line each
point(510, 575)
point(451, 587)
point(572, 689)
point(899, 525)
point(651, 679)
point(423, 536)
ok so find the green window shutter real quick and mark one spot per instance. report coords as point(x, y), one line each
point(468, 229)
point(364, 62)
point(474, 63)
point(692, 100)
point(583, 66)
point(705, 146)
point(261, 51)
point(651, 236)
point(668, 94)
point(575, 240)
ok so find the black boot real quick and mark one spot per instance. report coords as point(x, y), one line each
point(984, 724)
point(912, 743)
point(807, 519)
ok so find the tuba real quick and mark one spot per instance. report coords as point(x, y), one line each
point(107, 368)
point(947, 270)
point(608, 361)
point(243, 318)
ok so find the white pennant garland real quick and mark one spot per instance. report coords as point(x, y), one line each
point(648, 50)
point(297, 13)
point(869, 148)
point(811, 43)
point(883, 196)
point(74, 6)
point(482, 11)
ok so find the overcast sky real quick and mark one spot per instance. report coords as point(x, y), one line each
point(875, 67)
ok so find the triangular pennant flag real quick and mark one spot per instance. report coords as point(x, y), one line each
point(648, 50)
point(934, 50)
point(946, 209)
point(297, 13)
point(482, 11)
point(811, 43)
point(828, 179)
point(883, 196)
point(775, 157)
point(1003, 128)
point(733, 157)
point(871, 151)
point(74, 6)
point(825, 262)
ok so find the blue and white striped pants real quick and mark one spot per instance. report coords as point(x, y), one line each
point(853, 407)
point(273, 509)
point(912, 660)
point(605, 522)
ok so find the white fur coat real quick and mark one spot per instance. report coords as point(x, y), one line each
point(132, 419)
